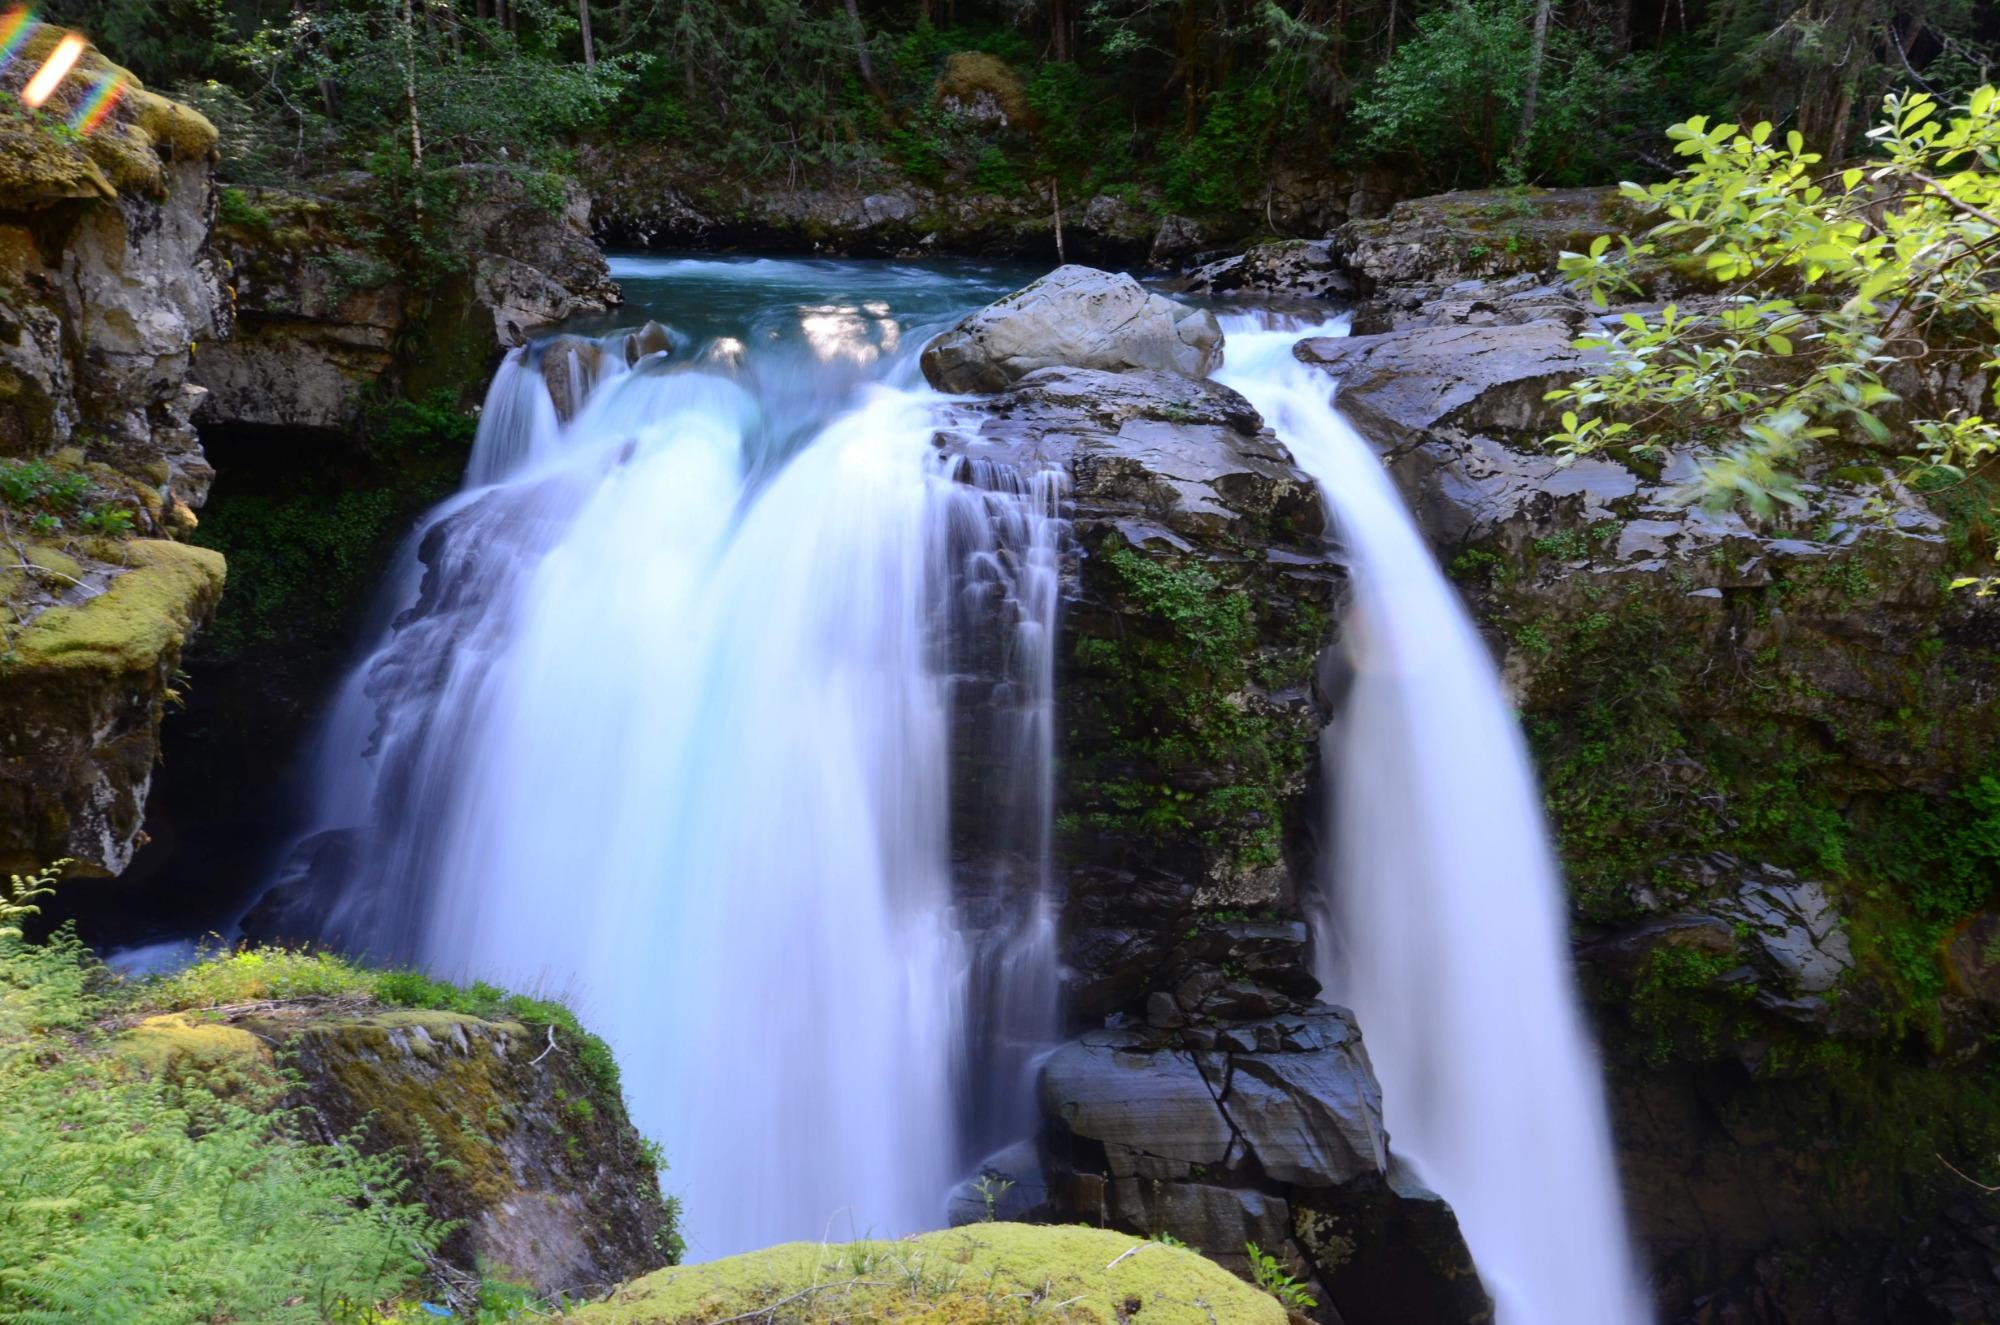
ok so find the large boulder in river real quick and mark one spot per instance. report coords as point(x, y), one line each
point(1076, 317)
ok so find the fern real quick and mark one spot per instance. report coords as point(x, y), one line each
point(128, 1201)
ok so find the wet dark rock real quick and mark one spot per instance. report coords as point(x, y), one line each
point(1390, 1255)
point(1175, 488)
point(1294, 269)
point(1010, 1186)
point(1158, 1102)
point(1255, 1132)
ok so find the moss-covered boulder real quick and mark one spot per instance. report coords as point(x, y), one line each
point(980, 1273)
point(506, 1114)
point(84, 683)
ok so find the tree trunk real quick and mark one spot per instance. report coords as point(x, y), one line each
point(861, 48)
point(1538, 51)
point(410, 95)
point(1055, 196)
point(583, 21)
point(1059, 15)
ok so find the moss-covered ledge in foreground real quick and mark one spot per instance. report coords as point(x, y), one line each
point(982, 1273)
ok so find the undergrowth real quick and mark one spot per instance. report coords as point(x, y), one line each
point(138, 1201)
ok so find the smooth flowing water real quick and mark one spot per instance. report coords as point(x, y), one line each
point(1444, 924)
point(722, 702)
point(663, 721)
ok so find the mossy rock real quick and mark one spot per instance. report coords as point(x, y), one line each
point(981, 1273)
point(40, 163)
point(177, 1048)
point(145, 615)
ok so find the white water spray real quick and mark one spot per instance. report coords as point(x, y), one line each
point(1445, 916)
point(663, 724)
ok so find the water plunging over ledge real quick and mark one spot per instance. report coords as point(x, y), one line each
point(671, 713)
point(1443, 920)
point(664, 722)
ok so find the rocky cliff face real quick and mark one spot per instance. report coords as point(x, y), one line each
point(1210, 1095)
point(327, 314)
point(107, 290)
point(107, 296)
point(1766, 747)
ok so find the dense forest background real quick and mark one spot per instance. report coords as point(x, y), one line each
point(1194, 103)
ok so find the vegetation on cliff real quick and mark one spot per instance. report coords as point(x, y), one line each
point(1838, 282)
point(166, 1162)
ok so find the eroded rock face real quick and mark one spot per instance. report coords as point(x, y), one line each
point(323, 315)
point(103, 302)
point(1217, 1099)
point(1200, 591)
point(1074, 317)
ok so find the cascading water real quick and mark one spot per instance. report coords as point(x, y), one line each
point(1445, 928)
point(665, 724)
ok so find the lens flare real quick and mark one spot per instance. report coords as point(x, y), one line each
point(61, 60)
point(90, 112)
point(15, 25)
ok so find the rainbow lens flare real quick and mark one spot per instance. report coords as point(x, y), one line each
point(15, 25)
point(90, 112)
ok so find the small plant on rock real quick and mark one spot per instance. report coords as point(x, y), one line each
point(1275, 1278)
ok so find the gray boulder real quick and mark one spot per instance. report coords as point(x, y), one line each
point(1075, 316)
point(1114, 1090)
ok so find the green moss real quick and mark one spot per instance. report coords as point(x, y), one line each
point(969, 1276)
point(223, 1060)
point(1181, 694)
point(142, 618)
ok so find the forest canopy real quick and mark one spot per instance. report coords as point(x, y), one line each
point(1201, 100)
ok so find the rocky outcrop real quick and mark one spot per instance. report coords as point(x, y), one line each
point(1428, 244)
point(659, 197)
point(1215, 1098)
point(513, 1132)
point(87, 679)
point(1765, 745)
point(1076, 317)
point(106, 287)
point(326, 314)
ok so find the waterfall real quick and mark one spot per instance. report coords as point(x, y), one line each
point(1444, 924)
point(668, 716)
